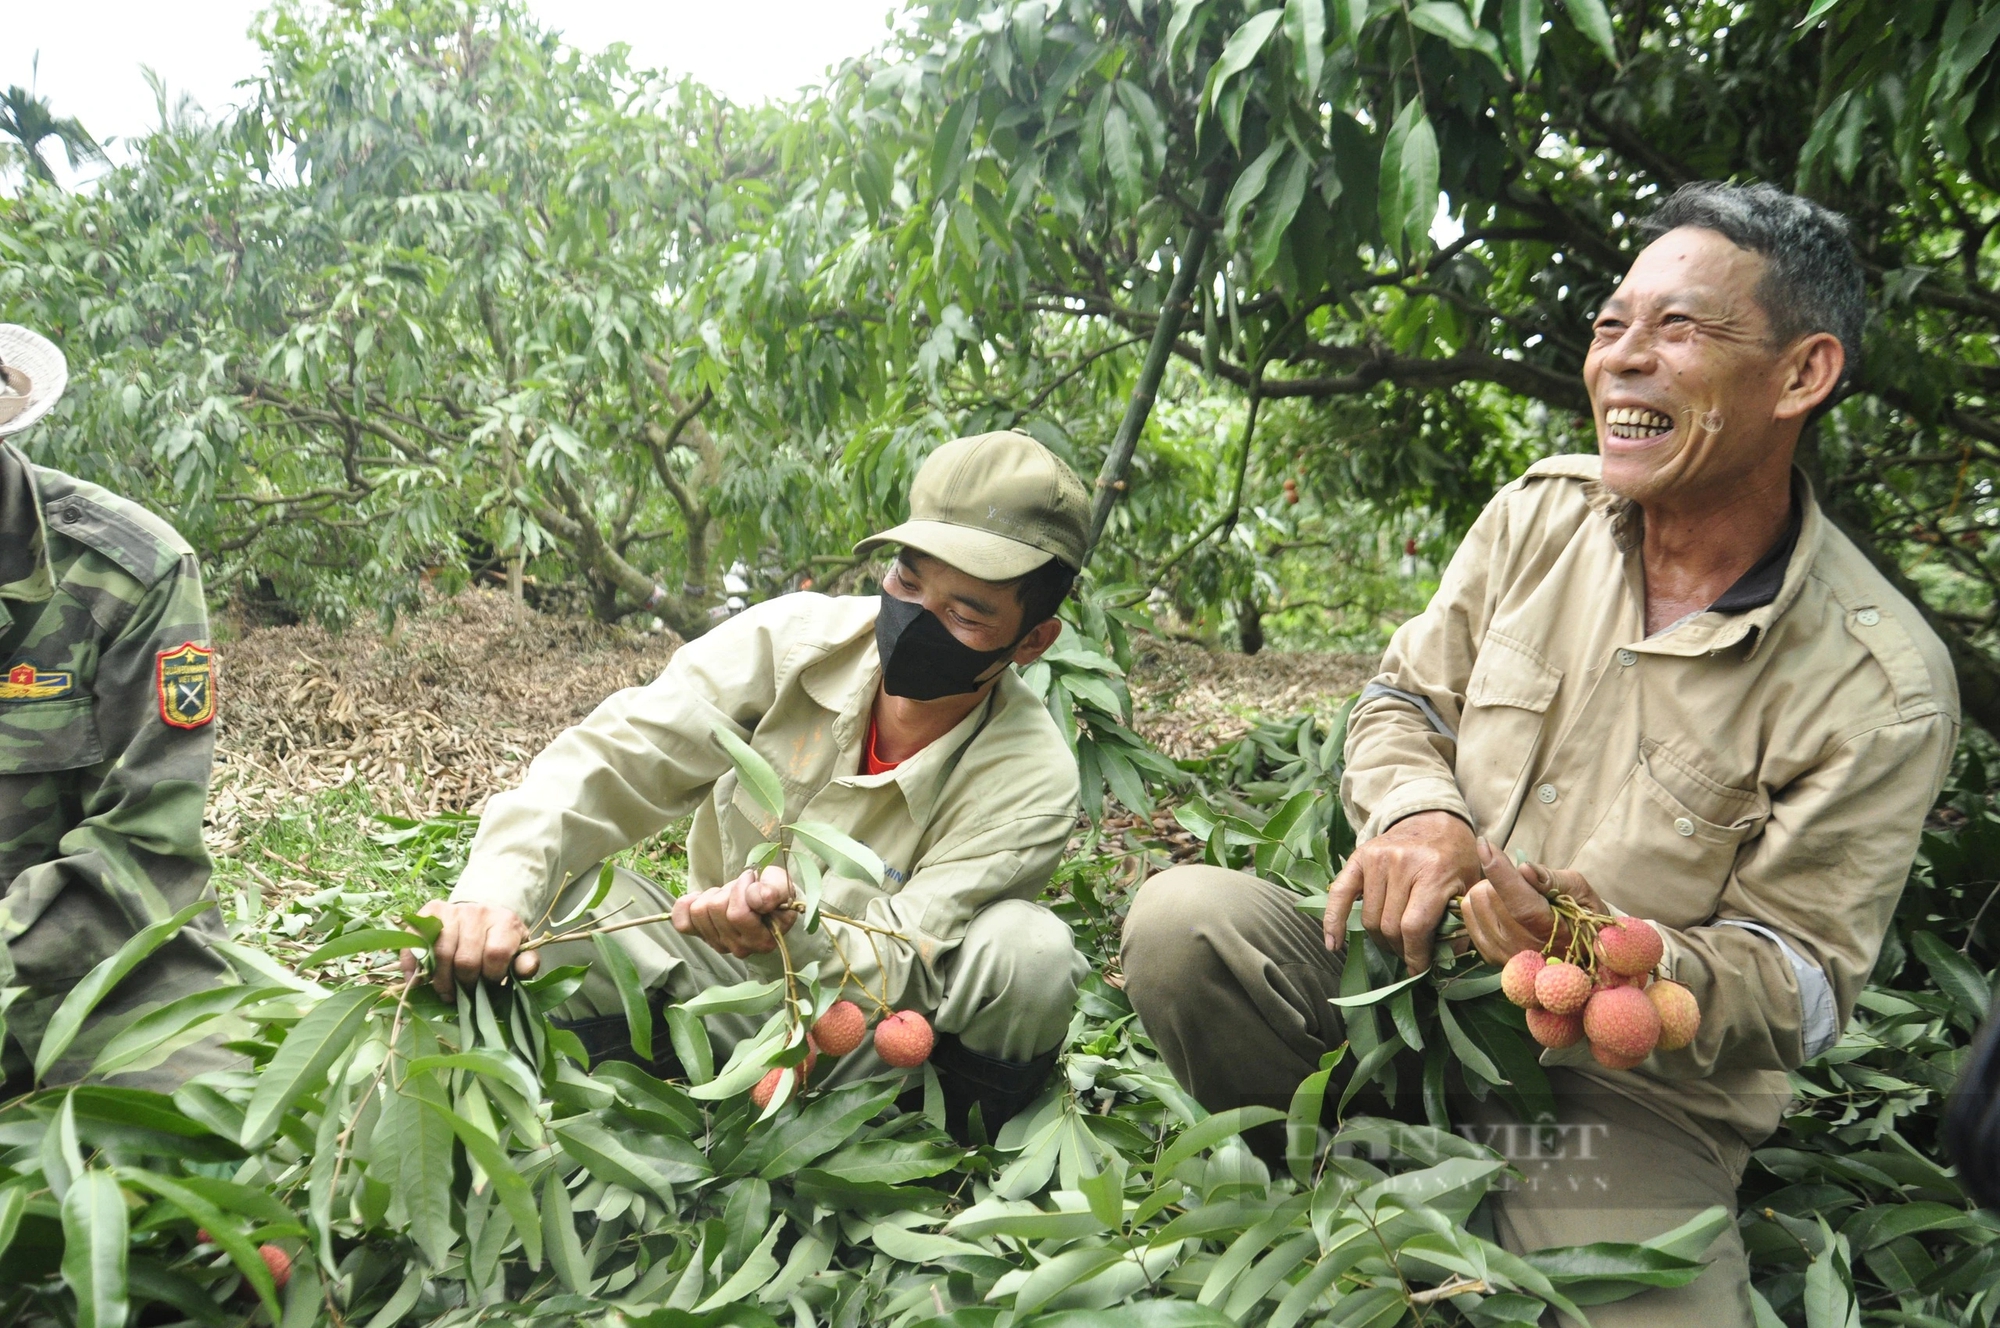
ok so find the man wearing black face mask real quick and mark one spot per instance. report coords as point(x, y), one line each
point(897, 719)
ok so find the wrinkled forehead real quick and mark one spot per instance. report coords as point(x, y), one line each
point(1695, 269)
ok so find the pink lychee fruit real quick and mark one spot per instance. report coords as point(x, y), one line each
point(766, 1089)
point(1622, 1025)
point(1517, 979)
point(1611, 1062)
point(279, 1262)
point(904, 1039)
point(1562, 987)
point(1680, 1016)
point(841, 1029)
point(1630, 946)
point(1555, 1030)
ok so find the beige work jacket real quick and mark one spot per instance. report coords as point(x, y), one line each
point(981, 814)
point(1755, 783)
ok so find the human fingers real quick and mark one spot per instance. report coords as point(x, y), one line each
point(504, 934)
point(1430, 894)
point(468, 958)
point(1571, 882)
point(527, 964)
point(1507, 879)
point(444, 951)
point(773, 887)
point(1340, 897)
point(1518, 892)
point(1494, 931)
point(745, 922)
point(703, 916)
point(684, 914)
point(1389, 892)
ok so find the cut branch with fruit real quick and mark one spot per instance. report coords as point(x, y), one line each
point(821, 1022)
point(1605, 987)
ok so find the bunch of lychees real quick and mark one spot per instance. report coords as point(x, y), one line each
point(903, 1039)
point(1603, 988)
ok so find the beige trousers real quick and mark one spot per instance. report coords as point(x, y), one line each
point(1009, 986)
point(1231, 980)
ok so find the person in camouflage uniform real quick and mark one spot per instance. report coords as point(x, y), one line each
point(107, 708)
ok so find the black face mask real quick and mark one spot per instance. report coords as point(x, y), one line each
point(922, 660)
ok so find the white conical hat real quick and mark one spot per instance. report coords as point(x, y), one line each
point(33, 374)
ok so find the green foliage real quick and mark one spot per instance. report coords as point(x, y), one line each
point(419, 1159)
point(423, 1160)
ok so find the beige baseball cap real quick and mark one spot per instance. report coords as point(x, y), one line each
point(995, 506)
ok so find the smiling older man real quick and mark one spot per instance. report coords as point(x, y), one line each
point(1663, 673)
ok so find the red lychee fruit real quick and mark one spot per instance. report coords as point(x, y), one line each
point(1562, 988)
point(1680, 1017)
point(1630, 946)
point(841, 1029)
point(766, 1089)
point(1517, 979)
point(1604, 979)
point(279, 1262)
point(904, 1039)
point(1611, 1062)
point(1555, 1030)
point(1622, 1025)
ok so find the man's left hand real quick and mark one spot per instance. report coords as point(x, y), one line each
point(1509, 911)
point(736, 919)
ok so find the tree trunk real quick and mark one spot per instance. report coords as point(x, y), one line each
point(1249, 625)
point(1118, 462)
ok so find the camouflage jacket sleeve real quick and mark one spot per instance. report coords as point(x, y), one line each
point(102, 830)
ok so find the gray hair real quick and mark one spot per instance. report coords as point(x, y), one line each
point(1813, 283)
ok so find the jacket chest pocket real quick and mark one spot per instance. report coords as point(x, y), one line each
point(1669, 839)
point(1507, 700)
point(42, 737)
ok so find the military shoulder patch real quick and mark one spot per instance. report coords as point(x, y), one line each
point(186, 676)
point(25, 682)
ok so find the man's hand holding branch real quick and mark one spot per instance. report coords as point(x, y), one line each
point(736, 919)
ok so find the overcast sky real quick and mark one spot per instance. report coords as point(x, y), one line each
point(92, 50)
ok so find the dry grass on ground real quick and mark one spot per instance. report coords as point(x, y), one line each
point(448, 710)
point(1189, 700)
point(453, 705)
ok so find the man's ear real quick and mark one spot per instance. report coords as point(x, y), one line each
point(1037, 642)
point(1812, 370)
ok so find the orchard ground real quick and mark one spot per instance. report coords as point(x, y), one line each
point(323, 734)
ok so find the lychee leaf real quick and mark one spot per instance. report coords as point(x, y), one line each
point(1470, 1057)
point(691, 1045)
point(1371, 997)
point(843, 854)
point(753, 772)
